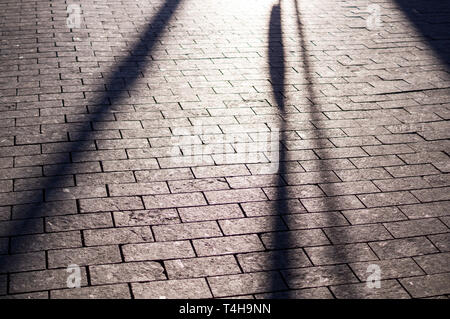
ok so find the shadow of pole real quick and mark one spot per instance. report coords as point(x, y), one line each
point(139, 56)
point(276, 55)
point(329, 205)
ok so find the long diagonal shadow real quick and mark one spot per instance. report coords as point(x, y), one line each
point(138, 53)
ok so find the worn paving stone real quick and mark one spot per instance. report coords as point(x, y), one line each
point(171, 289)
point(389, 269)
point(434, 263)
point(201, 267)
point(83, 256)
point(119, 291)
point(427, 286)
point(389, 289)
point(186, 231)
point(222, 286)
point(260, 152)
point(318, 276)
point(158, 251)
point(338, 254)
point(126, 272)
point(307, 293)
point(227, 245)
point(403, 247)
point(270, 260)
point(42, 280)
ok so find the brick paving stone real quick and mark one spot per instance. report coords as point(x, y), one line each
point(77, 222)
point(186, 231)
point(416, 227)
point(201, 267)
point(157, 251)
point(83, 256)
point(138, 189)
point(3, 285)
point(427, 286)
point(294, 238)
point(307, 293)
point(211, 212)
point(38, 242)
point(389, 269)
point(31, 295)
point(222, 286)
point(174, 200)
point(251, 225)
point(264, 208)
point(414, 246)
point(235, 196)
point(332, 203)
point(359, 233)
point(434, 263)
point(389, 289)
point(362, 174)
point(114, 236)
point(388, 199)
point(119, 291)
point(227, 245)
point(145, 217)
point(171, 289)
point(42, 280)
point(22, 262)
point(261, 261)
point(337, 254)
point(434, 209)
point(110, 204)
point(373, 215)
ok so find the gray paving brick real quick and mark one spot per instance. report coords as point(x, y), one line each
point(126, 272)
point(318, 276)
point(435, 263)
point(426, 210)
point(211, 212)
point(373, 215)
point(120, 291)
point(294, 238)
point(260, 261)
point(186, 231)
point(171, 289)
point(416, 227)
point(426, 286)
point(414, 246)
point(146, 217)
point(201, 267)
point(389, 289)
point(157, 251)
point(45, 241)
point(245, 283)
point(83, 256)
point(42, 280)
point(389, 269)
point(114, 236)
point(227, 245)
point(159, 146)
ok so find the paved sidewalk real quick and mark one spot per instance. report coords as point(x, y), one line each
point(224, 148)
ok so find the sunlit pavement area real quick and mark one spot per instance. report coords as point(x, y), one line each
point(224, 148)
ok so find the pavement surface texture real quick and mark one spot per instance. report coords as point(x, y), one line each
point(224, 148)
